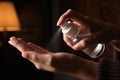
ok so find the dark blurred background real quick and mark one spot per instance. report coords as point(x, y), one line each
point(38, 24)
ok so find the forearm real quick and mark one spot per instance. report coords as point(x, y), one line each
point(75, 66)
point(89, 71)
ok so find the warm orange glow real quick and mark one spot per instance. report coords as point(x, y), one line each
point(8, 17)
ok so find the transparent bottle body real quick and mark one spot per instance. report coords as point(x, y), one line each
point(76, 34)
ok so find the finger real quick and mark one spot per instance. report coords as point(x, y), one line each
point(19, 44)
point(64, 17)
point(82, 44)
point(67, 40)
point(37, 48)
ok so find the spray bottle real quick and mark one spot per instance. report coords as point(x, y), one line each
point(76, 34)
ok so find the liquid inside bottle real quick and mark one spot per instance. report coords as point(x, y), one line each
point(76, 34)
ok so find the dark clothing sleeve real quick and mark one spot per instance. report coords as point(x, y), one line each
point(109, 70)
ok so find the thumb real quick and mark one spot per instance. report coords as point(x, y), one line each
point(82, 44)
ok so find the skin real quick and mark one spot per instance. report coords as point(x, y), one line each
point(59, 62)
point(100, 32)
point(67, 63)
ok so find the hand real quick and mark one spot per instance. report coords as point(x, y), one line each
point(101, 32)
point(55, 62)
point(37, 55)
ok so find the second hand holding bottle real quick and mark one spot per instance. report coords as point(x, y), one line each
point(76, 34)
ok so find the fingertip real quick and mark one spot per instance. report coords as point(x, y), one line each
point(9, 42)
point(75, 47)
point(60, 21)
point(79, 46)
point(58, 24)
point(13, 37)
point(64, 17)
point(69, 10)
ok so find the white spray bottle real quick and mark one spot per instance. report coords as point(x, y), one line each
point(76, 34)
